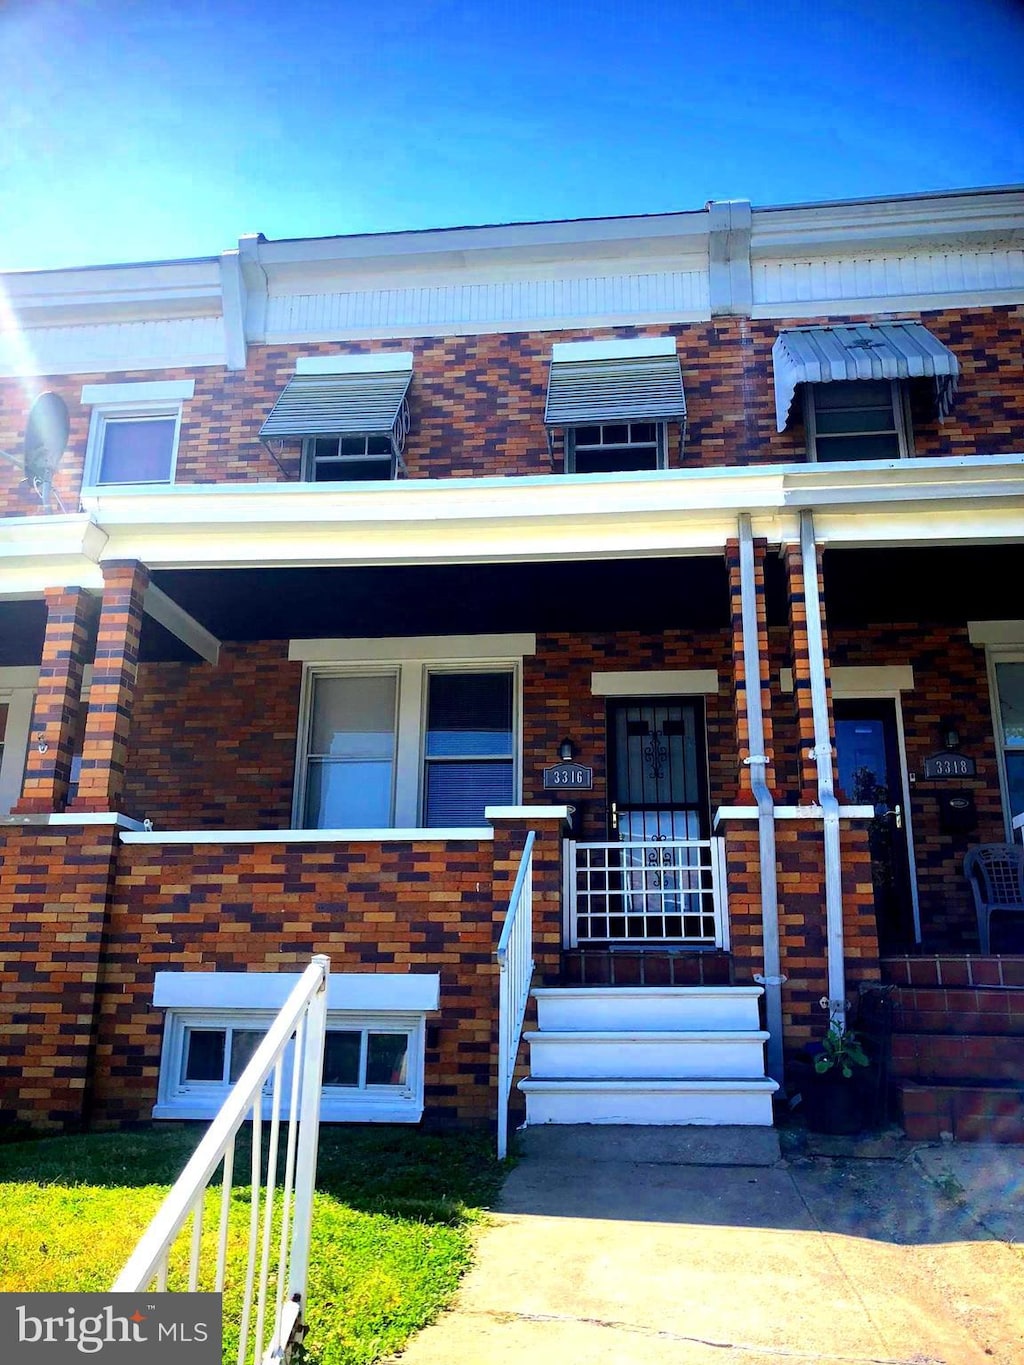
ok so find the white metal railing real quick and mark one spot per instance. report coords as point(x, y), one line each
point(279, 1298)
point(515, 973)
point(642, 891)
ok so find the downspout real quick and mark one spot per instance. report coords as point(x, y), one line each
point(757, 761)
point(822, 754)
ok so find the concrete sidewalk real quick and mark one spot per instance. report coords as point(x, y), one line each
point(616, 1246)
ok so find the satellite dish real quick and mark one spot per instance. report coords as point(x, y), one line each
point(46, 439)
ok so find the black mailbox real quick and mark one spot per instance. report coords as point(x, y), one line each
point(957, 814)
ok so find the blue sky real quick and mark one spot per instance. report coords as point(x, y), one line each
point(134, 131)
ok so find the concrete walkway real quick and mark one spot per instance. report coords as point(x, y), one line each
point(614, 1246)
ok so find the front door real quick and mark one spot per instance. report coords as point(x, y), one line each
point(870, 773)
point(657, 770)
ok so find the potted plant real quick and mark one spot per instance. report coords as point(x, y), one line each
point(835, 1094)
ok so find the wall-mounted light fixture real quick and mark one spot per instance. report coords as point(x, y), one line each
point(566, 752)
point(41, 743)
point(949, 734)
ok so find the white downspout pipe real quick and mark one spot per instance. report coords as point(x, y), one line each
point(772, 978)
point(822, 754)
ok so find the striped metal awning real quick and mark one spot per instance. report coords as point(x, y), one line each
point(884, 350)
point(632, 381)
point(363, 397)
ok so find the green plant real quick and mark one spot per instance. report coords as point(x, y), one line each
point(841, 1051)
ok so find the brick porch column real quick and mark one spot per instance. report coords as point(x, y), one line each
point(732, 558)
point(70, 619)
point(808, 772)
point(108, 720)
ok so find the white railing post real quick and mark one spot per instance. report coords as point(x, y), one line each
point(515, 973)
point(569, 893)
point(721, 892)
point(308, 1142)
point(300, 1026)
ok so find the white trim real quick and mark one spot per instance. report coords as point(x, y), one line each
point(18, 675)
point(105, 817)
point(418, 992)
point(526, 813)
point(1005, 654)
point(181, 624)
point(413, 649)
point(672, 682)
point(1009, 633)
point(867, 680)
point(793, 813)
point(310, 836)
point(379, 362)
point(20, 702)
point(621, 348)
point(140, 391)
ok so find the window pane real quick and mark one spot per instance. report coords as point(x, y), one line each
point(354, 717)
point(348, 795)
point(353, 445)
point(378, 445)
point(386, 1058)
point(352, 471)
point(341, 1057)
point(885, 447)
point(615, 461)
point(853, 393)
point(849, 420)
point(615, 435)
point(642, 431)
point(1010, 685)
point(469, 714)
point(458, 793)
point(244, 1042)
point(588, 436)
point(204, 1054)
point(325, 446)
point(1015, 782)
point(137, 451)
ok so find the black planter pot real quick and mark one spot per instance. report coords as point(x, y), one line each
point(834, 1103)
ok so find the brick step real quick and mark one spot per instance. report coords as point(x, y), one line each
point(968, 1113)
point(952, 970)
point(958, 1010)
point(958, 1057)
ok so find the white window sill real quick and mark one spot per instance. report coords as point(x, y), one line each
point(331, 1111)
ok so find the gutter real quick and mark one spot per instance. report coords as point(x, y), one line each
point(772, 978)
point(822, 754)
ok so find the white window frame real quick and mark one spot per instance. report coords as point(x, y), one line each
point(18, 693)
point(391, 462)
point(180, 1099)
point(902, 424)
point(1003, 654)
point(408, 781)
point(660, 441)
point(147, 400)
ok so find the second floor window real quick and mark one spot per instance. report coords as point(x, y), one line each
point(858, 420)
point(615, 446)
point(335, 459)
point(136, 449)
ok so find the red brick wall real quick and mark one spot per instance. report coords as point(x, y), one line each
point(54, 887)
point(478, 402)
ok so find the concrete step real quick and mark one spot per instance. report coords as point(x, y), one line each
point(626, 1100)
point(965, 1112)
point(659, 1009)
point(958, 1057)
point(662, 1144)
point(645, 1054)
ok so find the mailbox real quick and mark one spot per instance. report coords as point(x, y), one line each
point(957, 814)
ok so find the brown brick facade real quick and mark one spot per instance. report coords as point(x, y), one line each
point(477, 402)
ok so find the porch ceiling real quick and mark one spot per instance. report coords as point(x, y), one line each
point(600, 595)
point(941, 585)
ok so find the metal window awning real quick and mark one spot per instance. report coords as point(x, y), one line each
point(884, 350)
point(354, 402)
point(632, 381)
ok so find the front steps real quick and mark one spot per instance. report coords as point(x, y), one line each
point(958, 1046)
point(648, 1055)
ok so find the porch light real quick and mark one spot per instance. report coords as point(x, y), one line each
point(949, 734)
point(566, 752)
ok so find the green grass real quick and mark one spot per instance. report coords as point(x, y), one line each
point(392, 1234)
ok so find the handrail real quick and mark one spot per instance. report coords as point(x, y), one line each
point(304, 1017)
point(514, 955)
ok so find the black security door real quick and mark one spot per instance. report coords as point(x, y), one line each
point(657, 777)
point(870, 773)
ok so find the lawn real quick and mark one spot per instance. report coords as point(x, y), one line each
point(394, 1219)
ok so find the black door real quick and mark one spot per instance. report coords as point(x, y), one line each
point(657, 770)
point(870, 774)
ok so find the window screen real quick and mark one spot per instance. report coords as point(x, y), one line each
point(469, 759)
